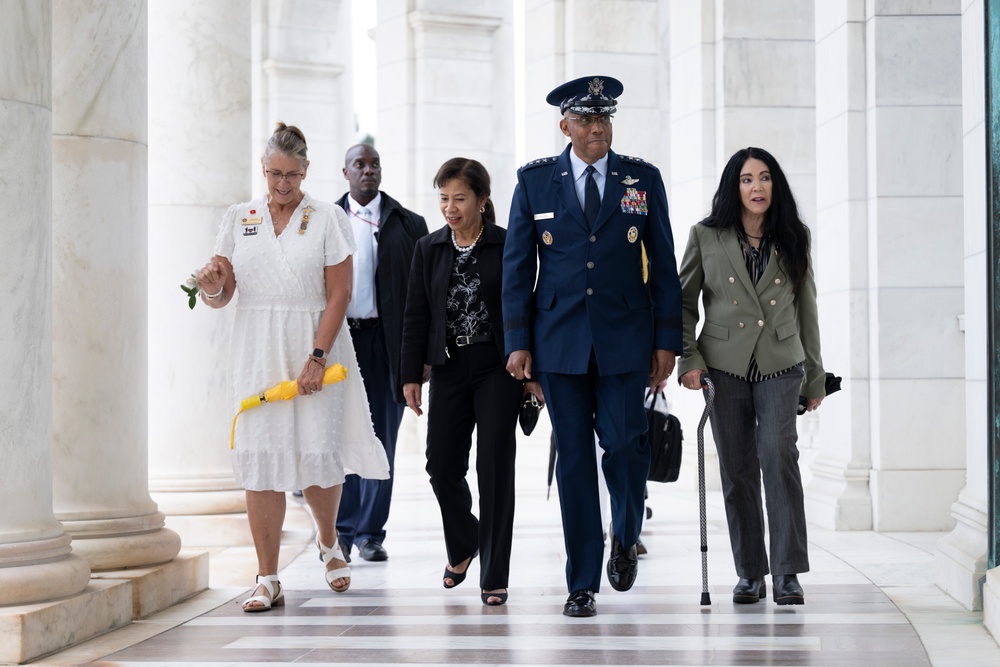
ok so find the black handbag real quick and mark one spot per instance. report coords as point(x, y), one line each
point(664, 437)
point(529, 413)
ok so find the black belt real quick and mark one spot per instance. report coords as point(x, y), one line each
point(462, 341)
point(355, 323)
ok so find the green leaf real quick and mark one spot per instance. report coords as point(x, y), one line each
point(192, 301)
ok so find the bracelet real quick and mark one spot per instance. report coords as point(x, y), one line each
point(319, 361)
point(217, 294)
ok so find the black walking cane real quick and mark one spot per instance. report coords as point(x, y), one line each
point(709, 388)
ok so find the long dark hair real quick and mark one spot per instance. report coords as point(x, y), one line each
point(781, 222)
point(475, 176)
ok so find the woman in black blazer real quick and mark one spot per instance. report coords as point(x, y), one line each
point(453, 323)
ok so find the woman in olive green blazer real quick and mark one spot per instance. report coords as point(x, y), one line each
point(749, 262)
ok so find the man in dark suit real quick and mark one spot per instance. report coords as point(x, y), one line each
point(590, 328)
point(386, 234)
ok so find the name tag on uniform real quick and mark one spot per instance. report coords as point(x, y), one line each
point(545, 216)
point(251, 221)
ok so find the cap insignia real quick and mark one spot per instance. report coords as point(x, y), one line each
point(596, 86)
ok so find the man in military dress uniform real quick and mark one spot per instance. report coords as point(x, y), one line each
point(594, 333)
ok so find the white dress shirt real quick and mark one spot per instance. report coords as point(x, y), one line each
point(365, 222)
point(580, 175)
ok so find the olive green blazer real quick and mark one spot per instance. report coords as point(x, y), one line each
point(769, 320)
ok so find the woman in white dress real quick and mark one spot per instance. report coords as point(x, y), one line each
point(289, 258)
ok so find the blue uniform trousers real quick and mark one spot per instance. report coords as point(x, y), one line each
point(611, 406)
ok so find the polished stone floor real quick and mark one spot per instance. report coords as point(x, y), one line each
point(870, 600)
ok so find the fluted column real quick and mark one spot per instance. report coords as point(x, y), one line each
point(35, 559)
point(99, 286)
point(199, 164)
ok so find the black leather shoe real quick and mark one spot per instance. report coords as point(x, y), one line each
point(748, 591)
point(786, 589)
point(623, 565)
point(640, 548)
point(373, 550)
point(345, 547)
point(580, 604)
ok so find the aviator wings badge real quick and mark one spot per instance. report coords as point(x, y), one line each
point(628, 180)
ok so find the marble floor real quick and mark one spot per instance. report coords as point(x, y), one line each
point(870, 599)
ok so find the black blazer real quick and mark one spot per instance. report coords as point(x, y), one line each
point(398, 233)
point(425, 327)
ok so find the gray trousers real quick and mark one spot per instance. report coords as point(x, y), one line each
point(754, 428)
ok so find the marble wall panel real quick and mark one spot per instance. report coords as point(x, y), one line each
point(917, 151)
point(692, 80)
point(831, 14)
point(303, 30)
point(915, 246)
point(917, 60)
point(844, 344)
point(974, 180)
point(110, 46)
point(771, 73)
point(921, 424)
point(916, 335)
point(914, 500)
point(775, 20)
point(840, 247)
point(456, 82)
point(692, 23)
point(975, 323)
point(621, 26)
point(973, 66)
point(914, 7)
point(27, 35)
point(840, 72)
point(788, 133)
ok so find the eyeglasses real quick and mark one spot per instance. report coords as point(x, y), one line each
point(291, 177)
point(587, 121)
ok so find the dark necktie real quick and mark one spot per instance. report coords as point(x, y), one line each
point(591, 197)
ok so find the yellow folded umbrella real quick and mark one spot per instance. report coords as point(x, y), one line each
point(284, 391)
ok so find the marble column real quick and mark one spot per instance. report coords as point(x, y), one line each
point(962, 555)
point(301, 64)
point(199, 164)
point(445, 88)
point(99, 323)
point(838, 496)
point(35, 559)
point(915, 263)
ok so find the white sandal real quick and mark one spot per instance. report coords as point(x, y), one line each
point(269, 582)
point(331, 553)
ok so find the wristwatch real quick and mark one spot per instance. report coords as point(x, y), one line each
point(318, 353)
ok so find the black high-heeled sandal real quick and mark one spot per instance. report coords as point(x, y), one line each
point(486, 598)
point(456, 577)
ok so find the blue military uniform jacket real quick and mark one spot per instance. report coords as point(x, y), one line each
point(589, 293)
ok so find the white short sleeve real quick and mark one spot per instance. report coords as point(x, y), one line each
point(224, 242)
point(340, 241)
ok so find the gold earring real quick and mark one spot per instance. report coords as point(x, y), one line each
point(482, 209)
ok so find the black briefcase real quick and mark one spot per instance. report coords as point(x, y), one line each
point(664, 437)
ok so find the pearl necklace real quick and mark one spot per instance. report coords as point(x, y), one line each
point(467, 248)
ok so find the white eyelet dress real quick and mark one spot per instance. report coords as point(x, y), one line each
point(281, 294)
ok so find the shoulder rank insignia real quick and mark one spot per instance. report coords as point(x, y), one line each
point(540, 161)
point(630, 158)
point(628, 180)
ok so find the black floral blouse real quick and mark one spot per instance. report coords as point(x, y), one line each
point(465, 308)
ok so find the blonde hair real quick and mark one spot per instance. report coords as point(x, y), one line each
point(287, 140)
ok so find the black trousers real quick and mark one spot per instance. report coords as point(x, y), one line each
point(473, 390)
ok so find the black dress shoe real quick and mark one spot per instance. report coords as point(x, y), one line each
point(345, 547)
point(640, 548)
point(748, 591)
point(786, 589)
point(580, 604)
point(623, 565)
point(373, 550)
